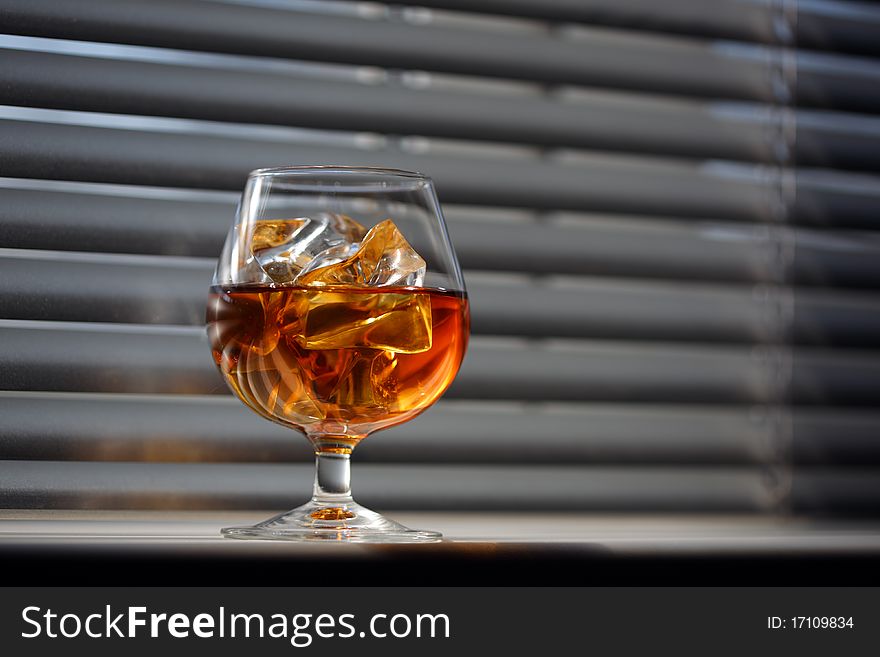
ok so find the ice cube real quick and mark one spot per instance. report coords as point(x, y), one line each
point(393, 322)
point(331, 256)
point(283, 247)
point(383, 258)
point(352, 380)
point(270, 233)
point(343, 380)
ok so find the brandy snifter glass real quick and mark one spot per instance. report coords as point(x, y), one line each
point(337, 309)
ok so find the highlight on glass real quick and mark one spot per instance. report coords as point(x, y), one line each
point(337, 309)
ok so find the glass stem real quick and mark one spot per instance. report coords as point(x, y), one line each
point(332, 479)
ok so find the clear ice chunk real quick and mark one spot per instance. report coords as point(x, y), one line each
point(383, 258)
point(390, 321)
point(331, 256)
point(284, 247)
point(329, 253)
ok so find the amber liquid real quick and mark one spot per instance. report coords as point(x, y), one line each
point(337, 363)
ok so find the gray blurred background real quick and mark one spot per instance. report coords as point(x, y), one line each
point(666, 213)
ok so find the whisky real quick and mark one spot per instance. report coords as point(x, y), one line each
point(338, 362)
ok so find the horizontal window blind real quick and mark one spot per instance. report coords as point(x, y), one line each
point(666, 212)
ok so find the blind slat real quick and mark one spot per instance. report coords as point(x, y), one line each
point(153, 359)
point(718, 18)
point(95, 218)
point(105, 427)
point(115, 219)
point(245, 486)
point(223, 486)
point(119, 427)
point(604, 183)
point(640, 123)
point(61, 286)
point(838, 25)
point(66, 426)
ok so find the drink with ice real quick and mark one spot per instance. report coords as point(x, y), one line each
point(340, 342)
point(323, 318)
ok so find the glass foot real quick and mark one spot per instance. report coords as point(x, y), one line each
point(347, 522)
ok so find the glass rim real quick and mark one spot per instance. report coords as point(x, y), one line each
point(313, 174)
